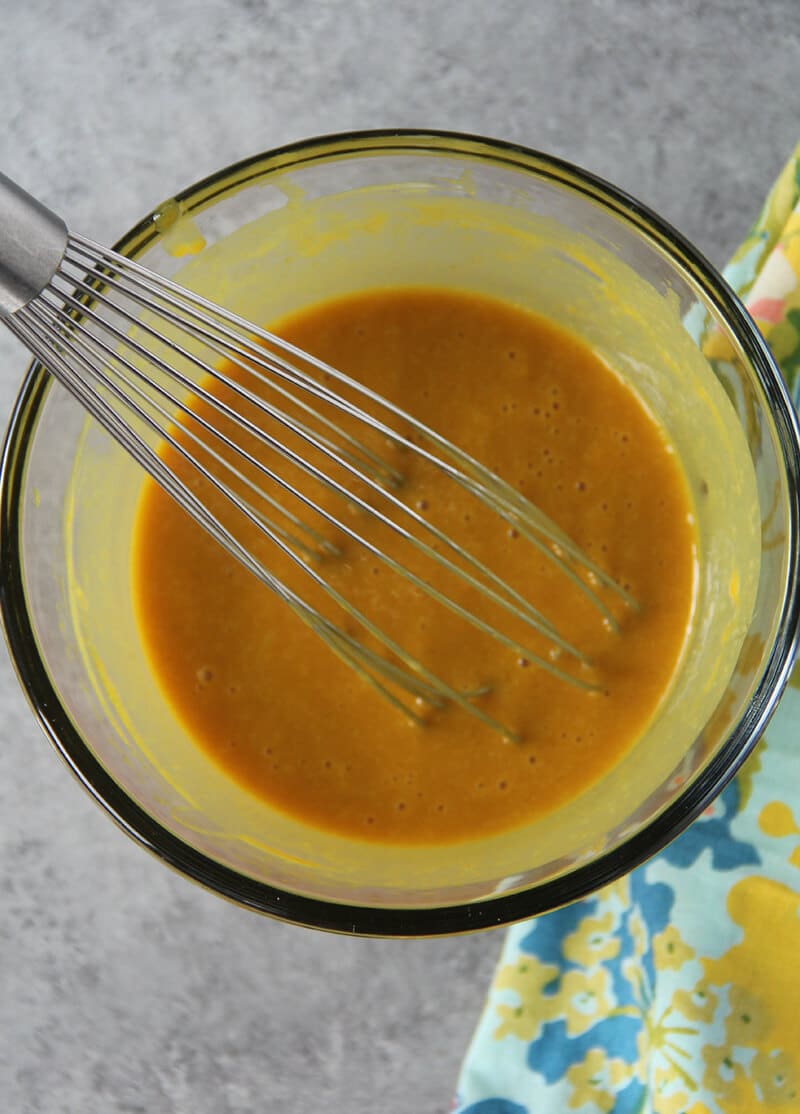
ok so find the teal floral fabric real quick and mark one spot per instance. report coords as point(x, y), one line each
point(676, 990)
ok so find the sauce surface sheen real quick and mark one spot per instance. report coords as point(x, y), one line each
point(276, 710)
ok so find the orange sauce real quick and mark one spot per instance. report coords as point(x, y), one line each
point(273, 706)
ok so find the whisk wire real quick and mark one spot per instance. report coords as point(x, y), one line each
point(522, 608)
point(144, 290)
point(106, 354)
point(475, 476)
point(123, 340)
point(427, 686)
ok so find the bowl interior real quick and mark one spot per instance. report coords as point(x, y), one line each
point(284, 232)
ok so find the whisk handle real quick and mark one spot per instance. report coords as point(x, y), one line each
point(32, 242)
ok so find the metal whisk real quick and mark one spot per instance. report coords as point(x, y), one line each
point(139, 351)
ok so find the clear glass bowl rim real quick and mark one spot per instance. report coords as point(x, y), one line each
point(505, 907)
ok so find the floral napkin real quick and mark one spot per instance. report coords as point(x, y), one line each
point(676, 990)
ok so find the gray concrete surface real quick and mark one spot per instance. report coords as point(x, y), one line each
point(124, 989)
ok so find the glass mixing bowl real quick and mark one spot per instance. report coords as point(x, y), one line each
point(332, 215)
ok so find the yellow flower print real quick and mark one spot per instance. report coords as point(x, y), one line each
point(664, 1102)
point(633, 971)
point(783, 333)
point(669, 950)
point(663, 1058)
point(776, 211)
point(747, 1022)
point(527, 978)
point(643, 1041)
point(619, 891)
point(762, 962)
point(776, 1077)
point(676, 1103)
point(723, 1076)
point(584, 999)
point(662, 1077)
point(697, 1004)
point(595, 1080)
point(790, 241)
point(591, 943)
point(638, 933)
point(777, 820)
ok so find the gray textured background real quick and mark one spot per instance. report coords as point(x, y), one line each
point(122, 987)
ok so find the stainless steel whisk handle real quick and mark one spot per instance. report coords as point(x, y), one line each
point(32, 243)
